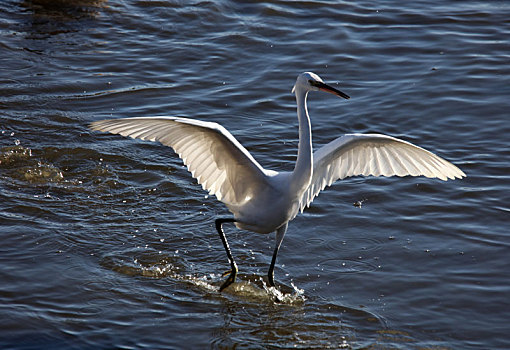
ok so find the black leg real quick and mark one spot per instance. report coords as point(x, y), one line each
point(270, 274)
point(280, 233)
point(233, 272)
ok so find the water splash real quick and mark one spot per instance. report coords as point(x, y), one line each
point(156, 265)
point(12, 155)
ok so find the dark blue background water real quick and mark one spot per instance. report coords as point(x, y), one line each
point(109, 243)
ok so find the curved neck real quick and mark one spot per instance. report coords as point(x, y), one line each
point(302, 174)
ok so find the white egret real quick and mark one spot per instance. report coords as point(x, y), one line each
point(264, 200)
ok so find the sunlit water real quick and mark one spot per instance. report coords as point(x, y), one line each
point(108, 242)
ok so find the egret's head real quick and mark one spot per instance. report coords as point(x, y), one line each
point(309, 81)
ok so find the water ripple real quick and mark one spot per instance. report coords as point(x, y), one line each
point(108, 242)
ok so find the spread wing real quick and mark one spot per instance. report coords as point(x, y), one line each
point(376, 155)
point(213, 156)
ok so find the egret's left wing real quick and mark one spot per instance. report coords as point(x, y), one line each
point(376, 155)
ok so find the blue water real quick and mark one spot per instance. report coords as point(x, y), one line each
point(109, 243)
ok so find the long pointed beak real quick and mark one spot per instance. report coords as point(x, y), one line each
point(331, 90)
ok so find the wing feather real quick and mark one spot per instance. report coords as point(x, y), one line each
point(376, 155)
point(213, 156)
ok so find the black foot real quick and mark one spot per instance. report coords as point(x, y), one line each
point(231, 278)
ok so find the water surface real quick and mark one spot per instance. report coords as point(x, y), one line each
point(108, 242)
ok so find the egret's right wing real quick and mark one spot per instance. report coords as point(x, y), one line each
point(376, 155)
point(213, 156)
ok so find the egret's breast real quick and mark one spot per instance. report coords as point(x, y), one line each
point(269, 208)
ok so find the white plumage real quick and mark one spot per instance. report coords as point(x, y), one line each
point(264, 200)
point(213, 156)
point(373, 155)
